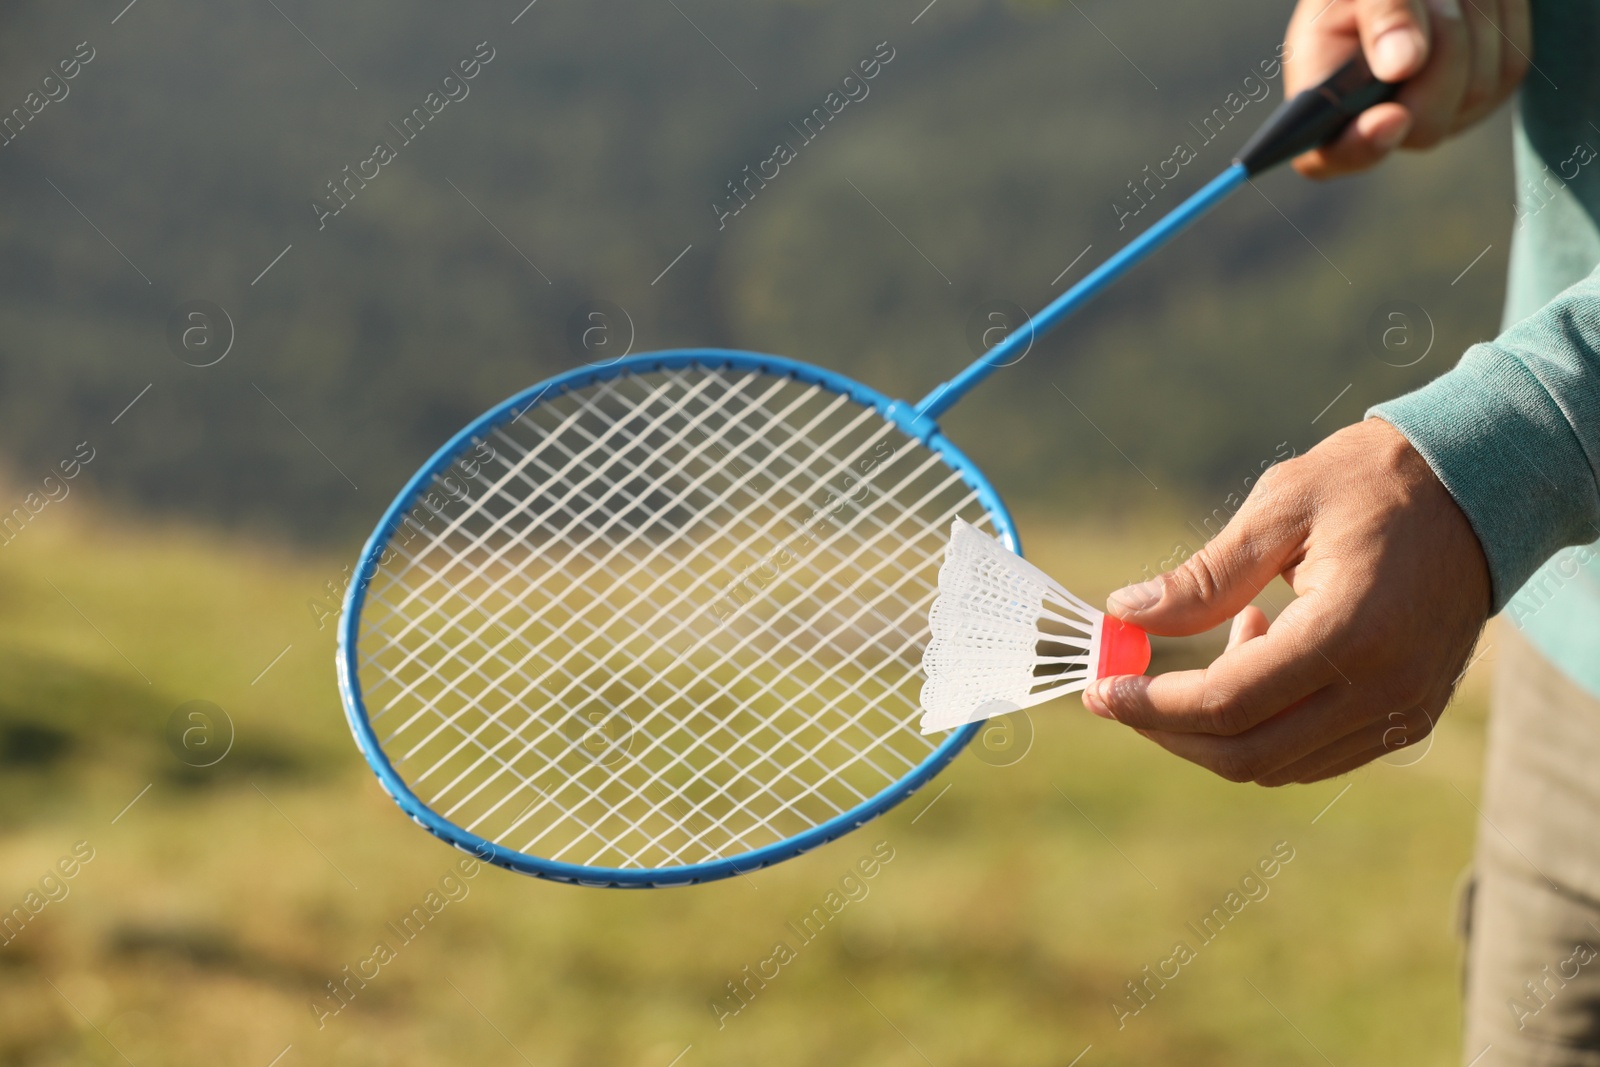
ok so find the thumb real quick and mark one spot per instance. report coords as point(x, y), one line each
point(1220, 580)
point(1394, 36)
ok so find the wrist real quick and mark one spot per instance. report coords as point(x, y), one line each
point(1420, 489)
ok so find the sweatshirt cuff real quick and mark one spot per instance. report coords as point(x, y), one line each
point(1507, 454)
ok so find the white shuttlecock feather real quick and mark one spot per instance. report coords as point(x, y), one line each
point(1007, 636)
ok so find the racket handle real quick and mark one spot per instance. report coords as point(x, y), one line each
point(1315, 117)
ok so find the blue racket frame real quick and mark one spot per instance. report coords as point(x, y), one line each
point(905, 416)
point(1313, 117)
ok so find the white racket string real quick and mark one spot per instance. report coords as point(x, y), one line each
point(560, 664)
point(523, 537)
point(668, 799)
point(600, 628)
point(784, 805)
point(377, 598)
point(913, 614)
point(514, 669)
point(747, 640)
point(809, 689)
point(495, 653)
point(452, 526)
point(534, 587)
point(643, 596)
point(853, 689)
point(664, 610)
point(729, 754)
point(492, 754)
point(503, 661)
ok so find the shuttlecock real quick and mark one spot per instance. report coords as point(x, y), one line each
point(1007, 636)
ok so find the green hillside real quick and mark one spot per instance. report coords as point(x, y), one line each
point(597, 146)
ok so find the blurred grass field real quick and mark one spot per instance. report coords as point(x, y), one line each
point(1019, 900)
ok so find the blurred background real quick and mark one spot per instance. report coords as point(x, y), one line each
point(242, 856)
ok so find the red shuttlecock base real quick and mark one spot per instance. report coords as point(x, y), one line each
point(1124, 648)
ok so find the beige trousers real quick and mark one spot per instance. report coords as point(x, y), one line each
point(1532, 982)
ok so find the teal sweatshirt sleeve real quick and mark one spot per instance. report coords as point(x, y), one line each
point(1513, 432)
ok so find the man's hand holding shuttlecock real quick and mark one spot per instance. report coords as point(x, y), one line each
point(1392, 592)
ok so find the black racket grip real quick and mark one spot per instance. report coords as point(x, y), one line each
point(1315, 116)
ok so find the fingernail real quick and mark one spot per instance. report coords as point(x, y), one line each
point(1094, 699)
point(1395, 53)
point(1141, 597)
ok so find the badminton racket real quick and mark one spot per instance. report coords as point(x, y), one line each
point(660, 622)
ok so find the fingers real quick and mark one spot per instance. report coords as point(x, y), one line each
point(1320, 720)
point(1321, 36)
point(1248, 625)
point(1330, 733)
point(1458, 60)
point(1516, 27)
point(1397, 732)
point(1355, 762)
point(1213, 585)
point(1248, 684)
point(1483, 65)
point(1365, 143)
point(1394, 37)
point(1434, 96)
